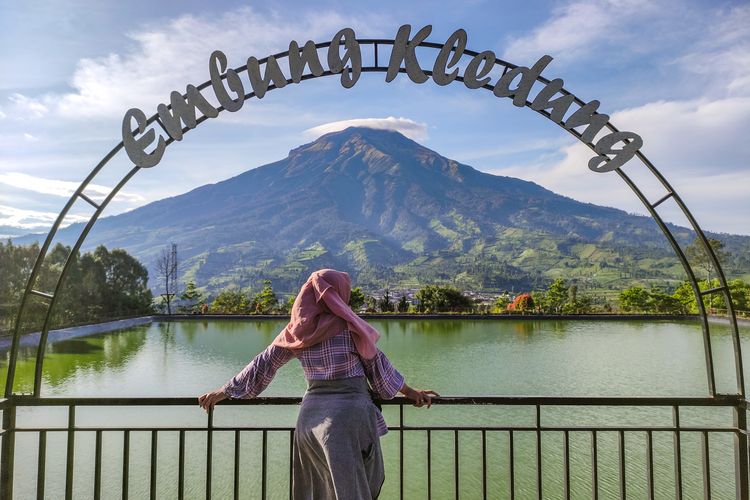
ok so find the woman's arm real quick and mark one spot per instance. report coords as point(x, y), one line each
point(252, 380)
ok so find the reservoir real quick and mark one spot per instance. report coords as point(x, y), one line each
point(454, 357)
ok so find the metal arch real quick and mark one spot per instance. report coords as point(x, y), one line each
point(651, 207)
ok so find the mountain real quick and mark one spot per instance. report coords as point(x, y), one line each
point(392, 212)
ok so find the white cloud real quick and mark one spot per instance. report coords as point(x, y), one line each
point(30, 138)
point(62, 188)
point(721, 54)
point(23, 107)
point(410, 128)
point(693, 143)
point(577, 29)
point(697, 140)
point(33, 219)
point(699, 134)
point(167, 58)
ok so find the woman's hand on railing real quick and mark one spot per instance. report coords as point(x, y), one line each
point(420, 397)
point(209, 399)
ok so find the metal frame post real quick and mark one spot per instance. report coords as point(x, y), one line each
point(741, 452)
point(9, 443)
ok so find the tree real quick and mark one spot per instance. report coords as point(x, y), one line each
point(231, 301)
point(522, 303)
point(686, 297)
point(385, 304)
point(403, 304)
point(635, 298)
point(698, 257)
point(501, 303)
point(97, 286)
point(126, 280)
point(371, 305)
point(557, 296)
point(660, 302)
point(583, 304)
point(356, 299)
point(166, 267)
point(192, 298)
point(739, 290)
point(286, 307)
point(434, 298)
point(265, 301)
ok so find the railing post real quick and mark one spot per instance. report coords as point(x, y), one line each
point(9, 441)
point(741, 452)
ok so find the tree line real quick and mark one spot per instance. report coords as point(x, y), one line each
point(99, 285)
point(107, 284)
point(560, 297)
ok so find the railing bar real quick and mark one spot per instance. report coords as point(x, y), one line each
point(621, 452)
point(429, 464)
point(88, 200)
point(511, 467)
point(706, 461)
point(152, 478)
point(594, 467)
point(741, 450)
point(484, 464)
point(42, 294)
point(181, 467)
point(70, 456)
point(375, 48)
point(455, 462)
point(41, 465)
point(728, 400)
point(401, 452)
point(677, 452)
point(209, 451)
point(662, 199)
point(125, 464)
point(407, 428)
point(566, 463)
point(236, 486)
point(8, 450)
point(291, 462)
point(539, 493)
point(264, 463)
point(713, 290)
point(98, 467)
point(650, 464)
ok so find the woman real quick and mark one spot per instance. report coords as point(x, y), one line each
point(337, 440)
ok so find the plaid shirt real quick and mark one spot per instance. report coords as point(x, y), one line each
point(335, 358)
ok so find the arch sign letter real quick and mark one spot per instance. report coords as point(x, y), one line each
point(230, 88)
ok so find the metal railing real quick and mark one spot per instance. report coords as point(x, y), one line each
point(495, 447)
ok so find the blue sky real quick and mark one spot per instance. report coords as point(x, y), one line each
point(675, 72)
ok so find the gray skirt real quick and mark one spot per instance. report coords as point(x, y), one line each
point(337, 451)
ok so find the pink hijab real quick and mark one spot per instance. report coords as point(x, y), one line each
point(321, 311)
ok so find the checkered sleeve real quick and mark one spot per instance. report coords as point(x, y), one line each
point(383, 376)
point(256, 376)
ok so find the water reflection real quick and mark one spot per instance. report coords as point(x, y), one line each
point(63, 360)
point(455, 356)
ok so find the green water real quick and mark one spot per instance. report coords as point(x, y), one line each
point(454, 357)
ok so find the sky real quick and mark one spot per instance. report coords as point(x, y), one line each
point(675, 72)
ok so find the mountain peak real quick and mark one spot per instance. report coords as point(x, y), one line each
point(364, 150)
point(380, 139)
